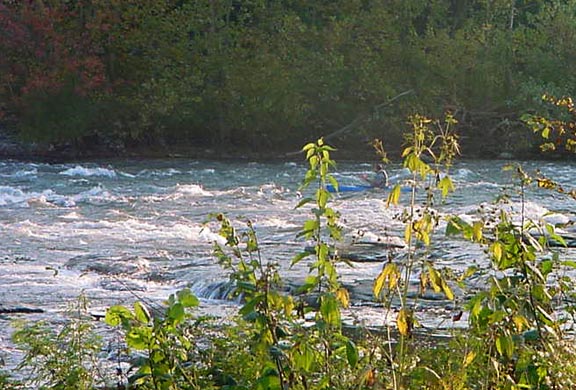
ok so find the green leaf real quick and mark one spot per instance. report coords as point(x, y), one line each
point(139, 338)
point(394, 195)
point(333, 181)
point(250, 307)
point(446, 186)
point(141, 313)
point(117, 315)
point(176, 313)
point(352, 353)
point(477, 231)
point(299, 257)
point(330, 310)
point(305, 358)
point(322, 197)
point(310, 226)
point(303, 202)
point(569, 263)
point(554, 236)
point(187, 298)
point(505, 346)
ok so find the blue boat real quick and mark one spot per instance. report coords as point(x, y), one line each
point(348, 188)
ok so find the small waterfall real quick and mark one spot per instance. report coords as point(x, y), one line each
point(222, 290)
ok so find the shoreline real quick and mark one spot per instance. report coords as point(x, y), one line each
point(13, 149)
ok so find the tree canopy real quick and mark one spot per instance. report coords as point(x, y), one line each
point(267, 74)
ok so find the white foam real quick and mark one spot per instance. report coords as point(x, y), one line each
point(128, 230)
point(83, 171)
point(10, 195)
point(95, 195)
point(159, 173)
point(190, 190)
point(71, 216)
point(21, 173)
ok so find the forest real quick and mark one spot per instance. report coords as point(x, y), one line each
point(105, 76)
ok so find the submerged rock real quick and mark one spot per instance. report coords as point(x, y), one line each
point(110, 265)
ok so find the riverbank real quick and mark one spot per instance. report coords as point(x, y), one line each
point(13, 148)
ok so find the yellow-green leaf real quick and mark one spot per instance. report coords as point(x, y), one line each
point(390, 274)
point(469, 358)
point(435, 279)
point(447, 290)
point(379, 283)
point(343, 296)
point(141, 312)
point(477, 231)
point(408, 233)
point(520, 322)
point(404, 322)
point(445, 185)
point(496, 249)
point(394, 196)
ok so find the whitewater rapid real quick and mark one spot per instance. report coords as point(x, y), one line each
point(122, 230)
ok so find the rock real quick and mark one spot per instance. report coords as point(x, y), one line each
point(19, 310)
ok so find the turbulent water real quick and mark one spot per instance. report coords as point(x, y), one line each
point(124, 230)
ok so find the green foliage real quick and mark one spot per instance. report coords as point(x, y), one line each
point(297, 342)
point(318, 156)
point(270, 74)
point(518, 314)
point(555, 132)
point(62, 359)
point(427, 140)
point(168, 342)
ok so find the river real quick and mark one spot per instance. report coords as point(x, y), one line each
point(121, 230)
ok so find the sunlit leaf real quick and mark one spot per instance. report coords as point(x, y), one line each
point(330, 310)
point(404, 322)
point(176, 313)
point(394, 195)
point(446, 186)
point(470, 356)
point(322, 197)
point(141, 312)
point(408, 233)
point(390, 274)
point(569, 263)
point(477, 231)
point(520, 322)
point(139, 337)
point(343, 296)
point(496, 249)
point(308, 146)
point(187, 299)
point(469, 272)
point(447, 290)
point(435, 278)
point(117, 315)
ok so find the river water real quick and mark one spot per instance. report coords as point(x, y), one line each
point(136, 229)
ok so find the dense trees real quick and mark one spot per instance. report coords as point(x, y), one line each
point(262, 73)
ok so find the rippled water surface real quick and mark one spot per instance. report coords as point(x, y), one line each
point(122, 230)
